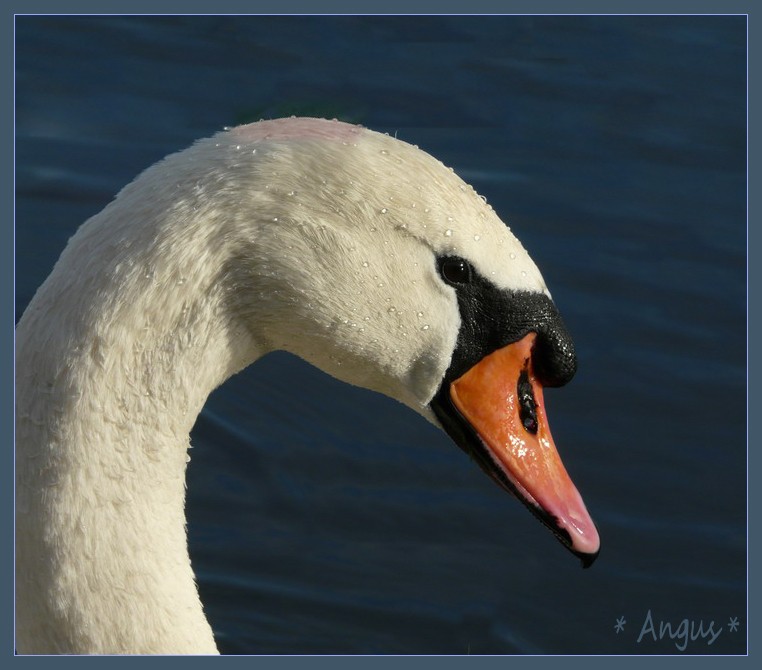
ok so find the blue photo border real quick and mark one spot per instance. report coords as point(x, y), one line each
point(11, 8)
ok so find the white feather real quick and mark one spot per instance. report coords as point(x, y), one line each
point(307, 235)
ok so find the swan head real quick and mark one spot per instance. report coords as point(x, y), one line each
point(376, 263)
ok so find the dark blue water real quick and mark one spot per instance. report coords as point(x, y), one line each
point(325, 519)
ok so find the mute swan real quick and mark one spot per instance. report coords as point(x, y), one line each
point(358, 252)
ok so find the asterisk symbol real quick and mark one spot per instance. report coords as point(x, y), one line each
point(619, 627)
point(733, 624)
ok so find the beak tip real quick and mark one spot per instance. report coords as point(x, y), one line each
point(582, 539)
point(585, 546)
point(588, 559)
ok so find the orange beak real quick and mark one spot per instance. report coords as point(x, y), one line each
point(502, 401)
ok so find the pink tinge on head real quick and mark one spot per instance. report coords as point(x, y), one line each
point(297, 129)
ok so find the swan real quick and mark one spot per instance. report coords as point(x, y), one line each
point(358, 252)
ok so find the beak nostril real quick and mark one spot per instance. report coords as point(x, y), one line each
point(527, 403)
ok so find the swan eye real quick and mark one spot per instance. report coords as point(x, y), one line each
point(455, 270)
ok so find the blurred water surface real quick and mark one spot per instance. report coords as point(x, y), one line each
point(327, 519)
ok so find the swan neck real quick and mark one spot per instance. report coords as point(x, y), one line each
point(114, 364)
